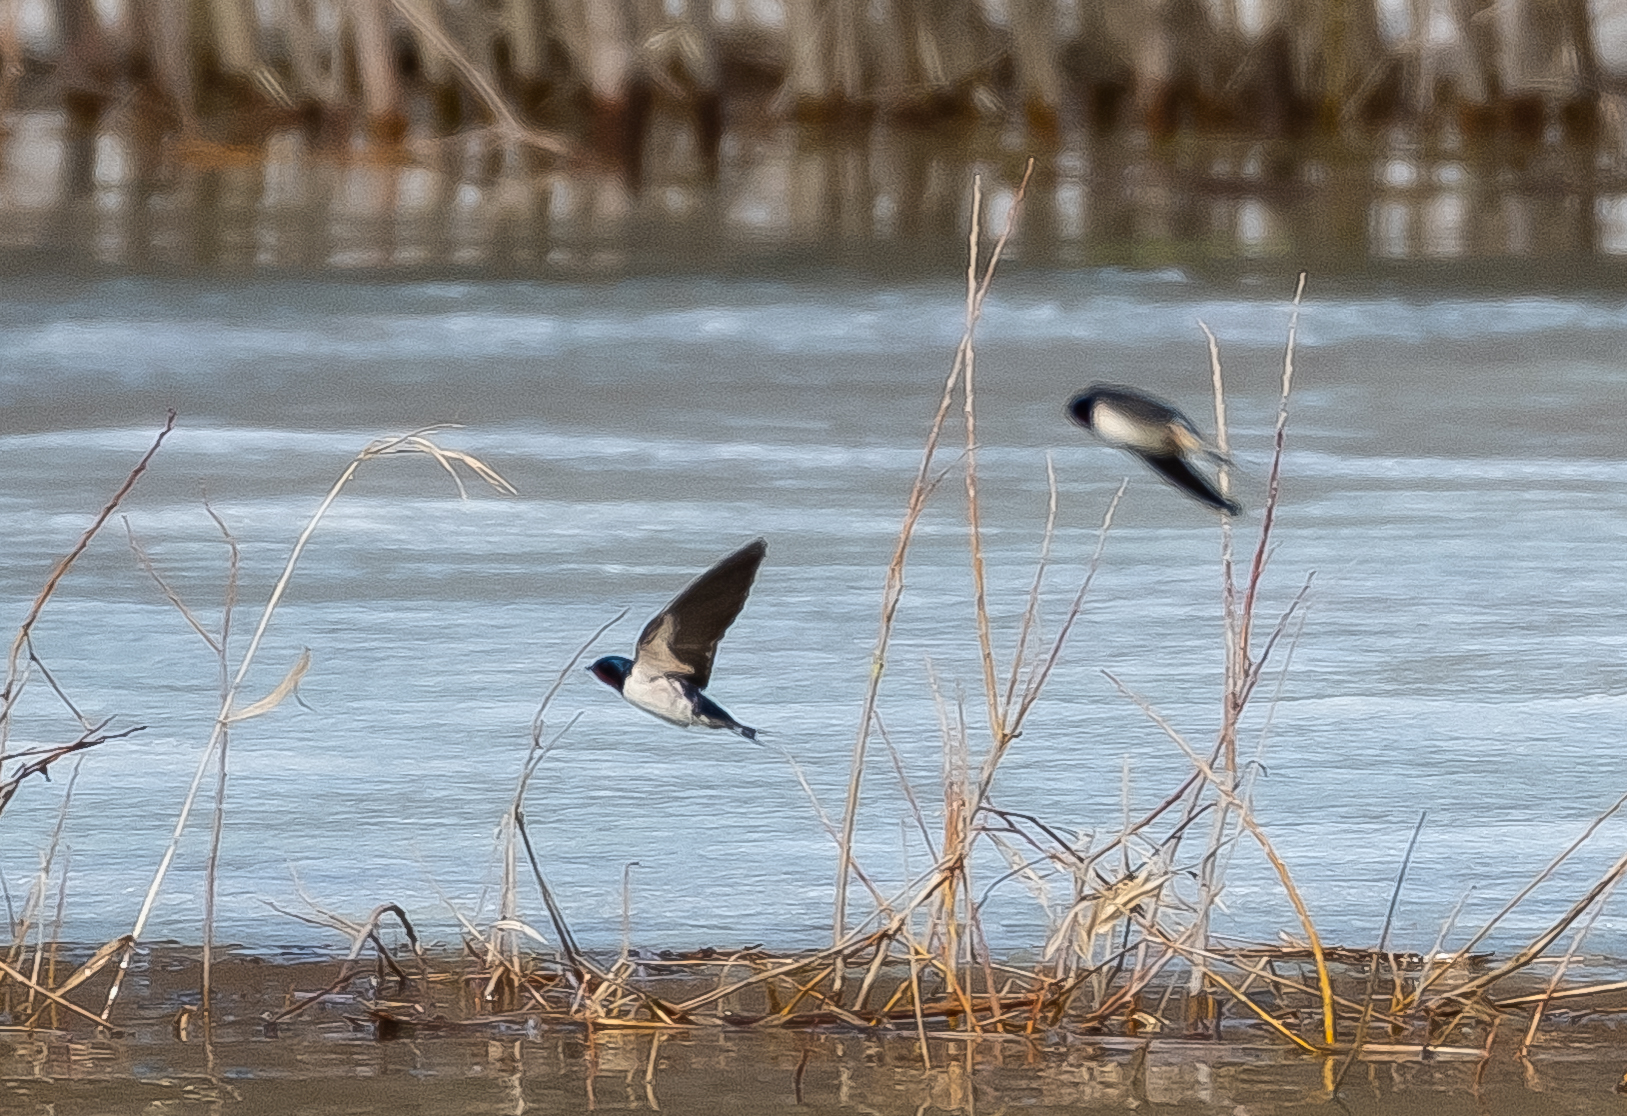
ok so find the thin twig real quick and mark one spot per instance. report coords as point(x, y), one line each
point(1372, 968)
point(13, 684)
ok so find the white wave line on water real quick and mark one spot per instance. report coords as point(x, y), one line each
point(186, 340)
point(537, 444)
point(1432, 470)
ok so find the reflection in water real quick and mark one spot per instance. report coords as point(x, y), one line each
point(890, 198)
point(333, 1066)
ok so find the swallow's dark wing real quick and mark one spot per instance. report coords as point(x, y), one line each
point(1176, 470)
point(1137, 405)
point(683, 637)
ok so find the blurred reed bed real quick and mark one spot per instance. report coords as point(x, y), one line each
point(657, 134)
point(1131, 950)
point(1514, 67)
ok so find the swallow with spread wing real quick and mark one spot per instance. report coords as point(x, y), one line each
point(672, 664)
point(1155, 432)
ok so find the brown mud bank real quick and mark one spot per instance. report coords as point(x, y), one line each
point(367, 1042)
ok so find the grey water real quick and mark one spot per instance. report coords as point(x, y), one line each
point(1453, 481)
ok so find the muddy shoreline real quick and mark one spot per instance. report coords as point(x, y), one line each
point(336, 1057)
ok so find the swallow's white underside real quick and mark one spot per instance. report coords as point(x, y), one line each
point(659, 695)
point(1119, 429)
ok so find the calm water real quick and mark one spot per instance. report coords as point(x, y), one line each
point(1453, 480)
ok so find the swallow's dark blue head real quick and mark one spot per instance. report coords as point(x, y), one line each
point(612, 671)
point(1079, 408)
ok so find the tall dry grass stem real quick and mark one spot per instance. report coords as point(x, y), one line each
point(1539, 945)
point(1372, 969)
point(893, 589)
point(217, 823)
point(1560, 969)
point(219, 643)
point(1430, 979)
point(1243, 668)
point(416, 443)
point(542, 743)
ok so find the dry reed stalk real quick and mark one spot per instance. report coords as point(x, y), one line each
point(974, 529)
point(1210, 877)
point(91, 738)
point(1372, 970)
point(39, 943)
point(15, 676)
point(882, 954)
point(1246, 817)
point(909, 791)
point(1560, 969)
point(57, 924)
point(505, 124)
point(1243, 670)
point(1228, 581)
point(944, 926)
point(218, 821)
point(1537, 946)
point(417, 442)
point(1561, 994)
point(514, 820)
point(219, 643)
point(915, 1005)
point(1030, 619)
point(893, 590)
point(1265, 1016)
point(39, 893)
point(53, 997)
point(360, 934)
point(1001, 732)
point(1548, 870)
point(97, 962)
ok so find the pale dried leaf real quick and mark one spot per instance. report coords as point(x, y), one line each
point(288, 685)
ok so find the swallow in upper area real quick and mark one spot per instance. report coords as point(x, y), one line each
point(672, 663)
point(1155, 432)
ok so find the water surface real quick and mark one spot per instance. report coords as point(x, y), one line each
point(1452, 480)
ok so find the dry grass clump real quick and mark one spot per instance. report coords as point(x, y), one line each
point(1130, 952)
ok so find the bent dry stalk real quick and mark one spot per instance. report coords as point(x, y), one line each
point(418, 442)
point(16, 673)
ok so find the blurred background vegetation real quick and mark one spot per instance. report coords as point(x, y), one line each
point(538, 134)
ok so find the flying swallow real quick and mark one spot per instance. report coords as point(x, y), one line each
point(1155, 432)
point(672, 663)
